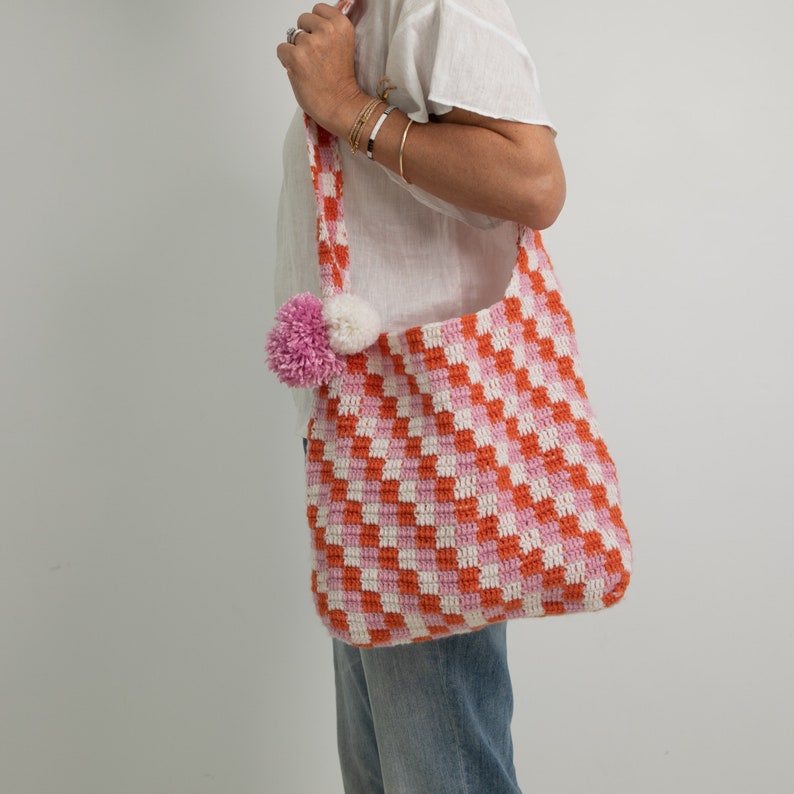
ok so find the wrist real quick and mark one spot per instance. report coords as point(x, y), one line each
point(343, 113)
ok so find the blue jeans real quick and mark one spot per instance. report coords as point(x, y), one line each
point(426, 718)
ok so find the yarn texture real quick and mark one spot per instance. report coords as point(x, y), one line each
point(353, 324)
point(298, 348)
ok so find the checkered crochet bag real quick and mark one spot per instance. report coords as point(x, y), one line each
point(455, 472)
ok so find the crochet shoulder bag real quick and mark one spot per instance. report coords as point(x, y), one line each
point(455, 472)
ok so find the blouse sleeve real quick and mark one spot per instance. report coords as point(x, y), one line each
point(466, 54)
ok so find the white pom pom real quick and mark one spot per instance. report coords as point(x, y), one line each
point(353, 324)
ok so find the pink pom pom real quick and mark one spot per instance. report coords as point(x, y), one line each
point(297, 347)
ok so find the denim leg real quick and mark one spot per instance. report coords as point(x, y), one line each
point(430, 718)
point(355, 731)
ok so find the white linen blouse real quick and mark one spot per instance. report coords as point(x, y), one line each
point(415, 258)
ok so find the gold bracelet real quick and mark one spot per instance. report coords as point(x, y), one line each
point(402, 149)
point(358, 125)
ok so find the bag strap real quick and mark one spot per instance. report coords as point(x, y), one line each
point(333, 252)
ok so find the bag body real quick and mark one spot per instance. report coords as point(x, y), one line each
point(455, 472)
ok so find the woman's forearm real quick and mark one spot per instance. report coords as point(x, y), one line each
point(504, 169)
point(500, 168)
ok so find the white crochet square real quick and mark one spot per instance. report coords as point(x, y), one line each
point(387, 537)
point(442, 399)
point(574, 455)
point(392, 468)
point(518, 474)
point(520, 359)
point(416, 625)
point(341, 468)
point(456, 353)
point(556, 392)
point(463, 419)
point(390, 601)
point(370, 513)
point(474, 618)
point(594, 591)
point(445, 465)
point(562, 345)
point(466, 486)
point(533, 605)
point(540, 489)
point(502, 452)
point(507, 525)
point(484, 323)
point(450, 604)
point(475, 373)
point(549, 438)
point(530, 539)
point(576, 572)
point(500, 338)
point(487, 505)
point(536, 375)
point(369, 580)
point(352, 556)
point(493, 388)
point(349, 404)
point(483, 436)
point(425, 515)
point(595, 474)
point(327, 183)
point(429, 445)
point(468, 557)
point(544, 326)
point(579, 409)
point(367, 427)
point(428, 583)
point(379, 448)
point(406, 559)
point(526, 424)
point(415, 426)
point(489, 576)
point(446, 536)
point(333, 535)
point(407, 491)
point(511, 405)
point(336, 600)
point(355, 490)
point(431, 336)
point(565, 504)
point(553, 556)
point(511, 591)
point(312, 493)
point(359, 633)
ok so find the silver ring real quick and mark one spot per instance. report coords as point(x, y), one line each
point(292, 34)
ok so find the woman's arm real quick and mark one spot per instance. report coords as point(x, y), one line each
point(500, 168)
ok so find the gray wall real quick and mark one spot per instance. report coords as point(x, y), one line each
point(156, 628)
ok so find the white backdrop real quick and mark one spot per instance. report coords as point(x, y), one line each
point(156, 627)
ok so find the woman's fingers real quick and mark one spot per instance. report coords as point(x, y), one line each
point(320, 62)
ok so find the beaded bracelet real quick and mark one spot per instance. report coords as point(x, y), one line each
point(376, 129)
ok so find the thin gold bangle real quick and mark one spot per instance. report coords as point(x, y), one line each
point(402, 150)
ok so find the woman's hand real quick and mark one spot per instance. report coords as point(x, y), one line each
point(320, 68)
point(499, 168)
